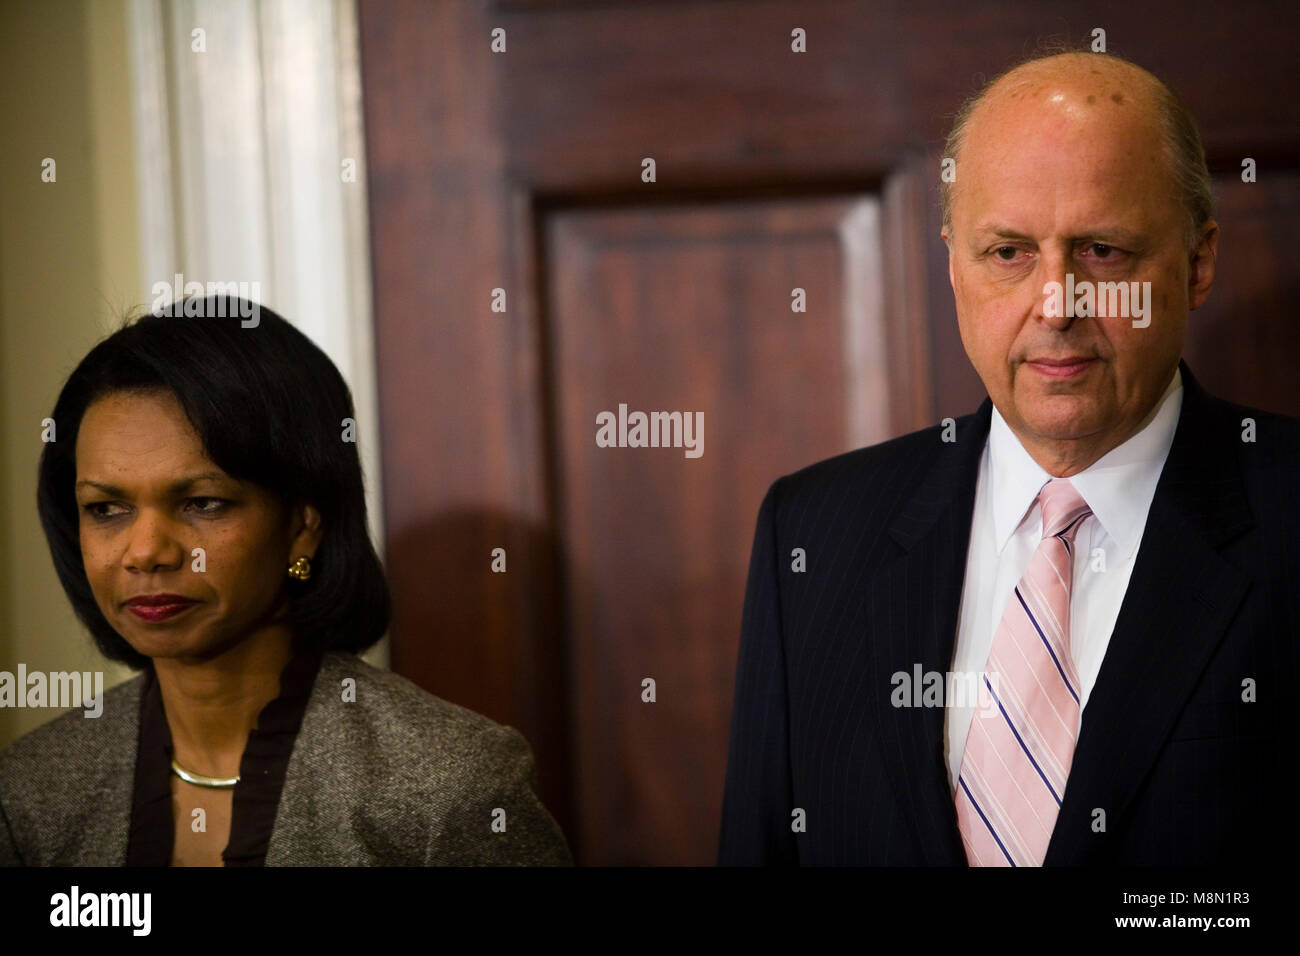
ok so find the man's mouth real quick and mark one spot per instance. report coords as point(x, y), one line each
point(1067, 366)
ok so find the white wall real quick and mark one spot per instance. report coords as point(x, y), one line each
point(69, 261)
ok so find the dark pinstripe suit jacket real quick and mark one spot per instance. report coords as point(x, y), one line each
point(1170, 759)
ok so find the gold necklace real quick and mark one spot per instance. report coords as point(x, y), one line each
point(216, 783)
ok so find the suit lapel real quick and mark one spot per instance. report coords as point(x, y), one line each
point(1180, 600)
point(920, 595)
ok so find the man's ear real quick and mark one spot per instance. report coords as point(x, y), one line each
point(946, 235)
point(1200, 274)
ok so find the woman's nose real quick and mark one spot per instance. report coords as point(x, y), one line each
point(152, 545)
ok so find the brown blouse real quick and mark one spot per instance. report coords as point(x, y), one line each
point(261, 771)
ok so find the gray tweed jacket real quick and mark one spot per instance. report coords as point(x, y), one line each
point(398, 777)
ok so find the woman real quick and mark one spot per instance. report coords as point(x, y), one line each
point(203, 504)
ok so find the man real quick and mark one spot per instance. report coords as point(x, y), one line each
point(1103, 556)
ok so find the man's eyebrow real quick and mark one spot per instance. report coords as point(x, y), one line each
point(1114, 235)
point(175, 488)
point(1111, 235)
point(996, 229)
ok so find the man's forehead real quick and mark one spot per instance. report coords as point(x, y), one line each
point(1076, 128)
point(1120, 79)
point(1029, 201)
point(1070, 91)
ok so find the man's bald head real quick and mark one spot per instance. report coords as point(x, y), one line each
point(1103, 82)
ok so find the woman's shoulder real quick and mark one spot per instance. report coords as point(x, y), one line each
point(80, 735)
point(385, 772)
point(65, 787)
point(396, 713)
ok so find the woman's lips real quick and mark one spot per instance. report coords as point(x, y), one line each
point(159, 612)
point(1062, 368)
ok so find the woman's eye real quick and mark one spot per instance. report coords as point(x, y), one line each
point(101, 510)
point(95, 510)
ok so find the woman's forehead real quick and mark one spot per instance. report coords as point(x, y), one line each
point(135, 432)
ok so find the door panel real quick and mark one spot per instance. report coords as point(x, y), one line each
point(687, 308)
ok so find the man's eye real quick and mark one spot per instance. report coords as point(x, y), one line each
point(1010, 250)
point(1103, 251)
point(211, 506)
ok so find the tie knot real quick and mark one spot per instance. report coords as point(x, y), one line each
point(1063, 508)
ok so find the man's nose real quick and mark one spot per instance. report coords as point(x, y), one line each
point(1054, 306)
point(153, 544)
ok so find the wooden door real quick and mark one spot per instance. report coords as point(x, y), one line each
point(528, 279)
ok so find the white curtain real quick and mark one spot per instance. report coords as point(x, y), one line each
point(251, 168)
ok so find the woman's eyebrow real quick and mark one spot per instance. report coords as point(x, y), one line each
point(175, 488)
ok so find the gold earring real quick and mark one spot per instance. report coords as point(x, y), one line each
point(300, 570)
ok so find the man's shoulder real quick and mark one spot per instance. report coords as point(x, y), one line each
point(1259, 452)
point(1263, 437)
point(884, 471)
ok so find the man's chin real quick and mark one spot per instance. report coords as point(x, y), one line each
point(1062, 417)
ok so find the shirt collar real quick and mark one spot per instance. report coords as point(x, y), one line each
point(1118, 487)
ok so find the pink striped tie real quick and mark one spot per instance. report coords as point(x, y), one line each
point(1022, 736)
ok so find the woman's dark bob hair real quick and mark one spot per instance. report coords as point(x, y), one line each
point(268, 406)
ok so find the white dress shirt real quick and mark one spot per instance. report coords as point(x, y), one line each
point(1007, 526)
